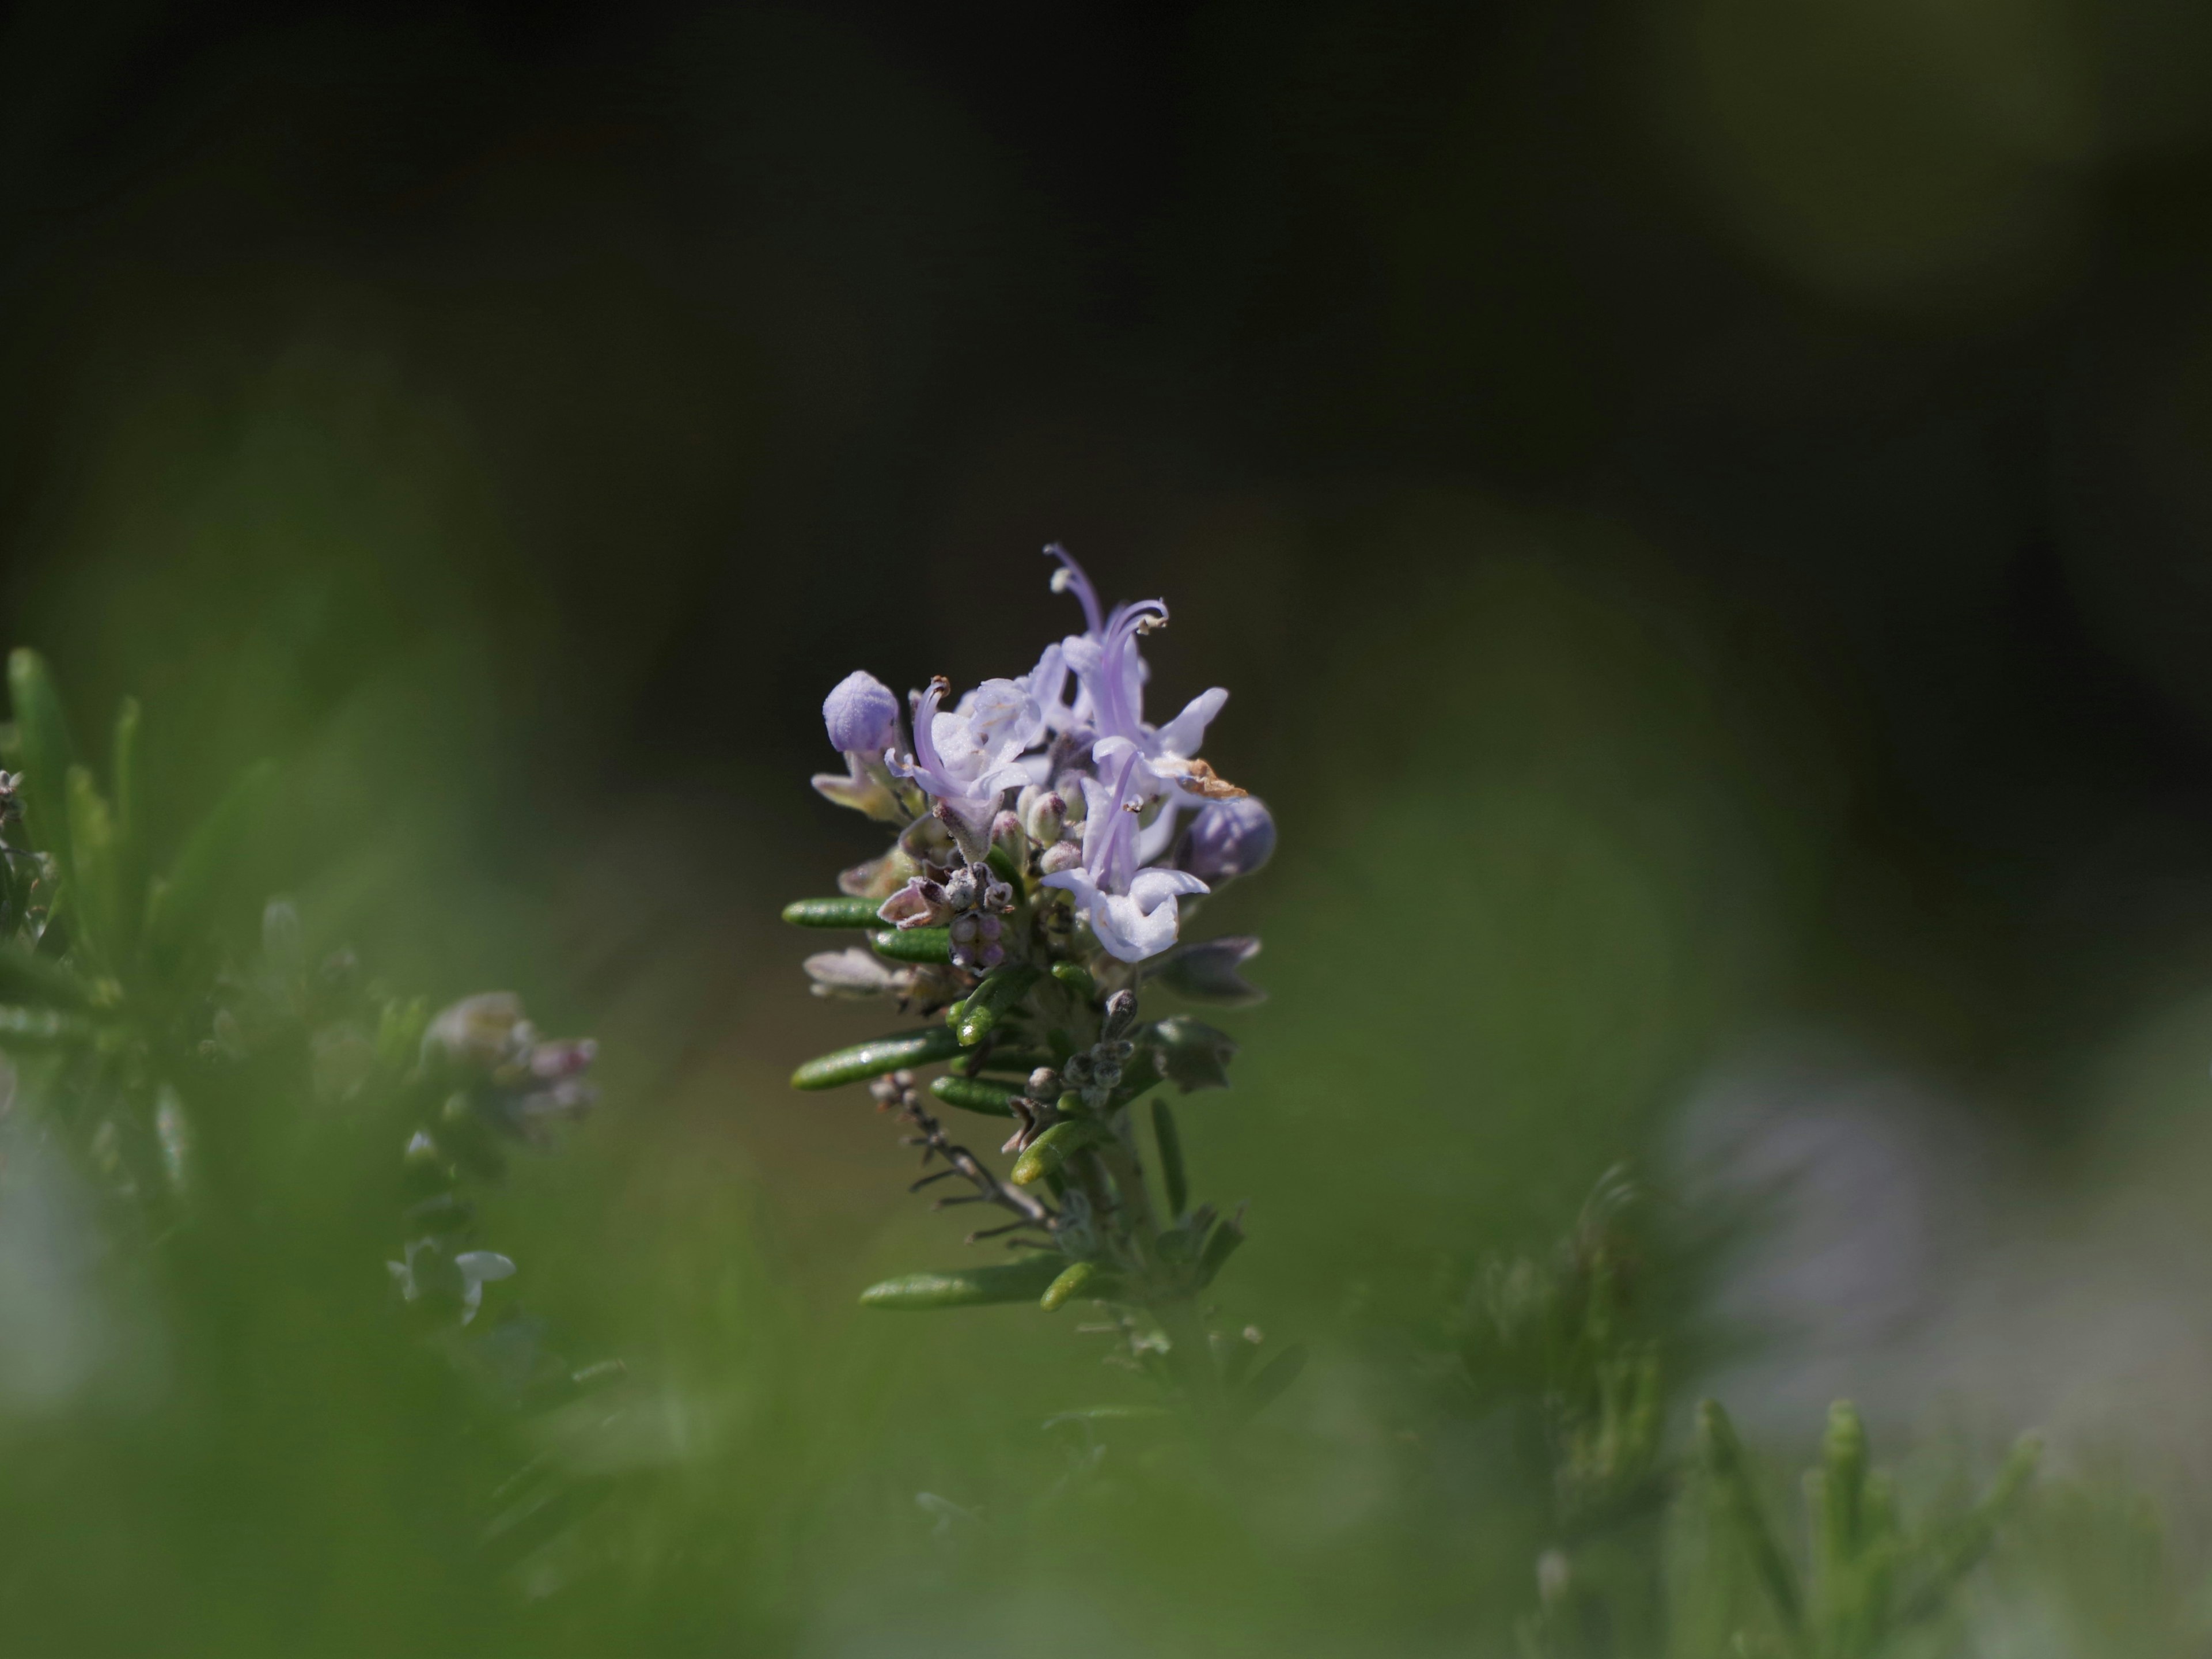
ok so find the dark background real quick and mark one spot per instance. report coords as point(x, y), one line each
point(749, 336)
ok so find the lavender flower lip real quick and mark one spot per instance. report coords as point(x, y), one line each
point(1028, 893)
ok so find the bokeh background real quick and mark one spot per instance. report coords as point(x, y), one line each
point(1704, 511)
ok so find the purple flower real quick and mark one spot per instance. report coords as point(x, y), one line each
point(1138, 923)
point(1227, 839)
point(1133, 912)
point(967, 758)
point(862, 715)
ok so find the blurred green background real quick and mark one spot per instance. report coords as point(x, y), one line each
point(1703, 508)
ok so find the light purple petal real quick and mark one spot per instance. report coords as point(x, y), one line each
point(1151, 887)
point(1138, 925)
point(1181, 736)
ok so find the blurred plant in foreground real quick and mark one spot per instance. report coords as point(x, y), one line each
point(1655, 1555)
point(238, 1106)
point(1039, 875)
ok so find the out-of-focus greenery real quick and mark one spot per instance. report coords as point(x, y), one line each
point(1701, 516)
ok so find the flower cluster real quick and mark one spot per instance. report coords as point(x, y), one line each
point(1050, 844)
point(1058, 771)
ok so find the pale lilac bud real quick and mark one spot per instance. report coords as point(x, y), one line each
point(479, 1032)
point(1228, 838)
point(1061, 855)
point(862, 715)
point(1047, 816)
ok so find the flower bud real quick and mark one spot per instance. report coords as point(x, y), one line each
point(1060, 855)
point(862, 715)
point(1046, 817)
point(1228, 838)
point(1074, 799)
point(479, 1032)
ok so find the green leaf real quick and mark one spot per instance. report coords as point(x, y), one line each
point(1271, 1379)
point(921, 944)
point(93, 854)
point(1003, 861)
point(38, 982)
point(1971, 1538)
point(1738, 1500)
point(1051, 1150)
point(1838, 1490)
point(1141, 1072)
point(1017, 1063)
point(1169, 1142)
point(989, 1002)
point(44, 751)
point(833, 913)
point(1220, 1244)
point(866, 1060)
point(1070, 1282)
point(974, 1095)
point(966, 1287)
point(1077, 978)
point(41, 1028)
point(129, 843)
point(1110, 1414)
point(180, 910)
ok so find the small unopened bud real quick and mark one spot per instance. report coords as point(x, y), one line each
point(479, 1032)
point(962, 888)
point(862, 716)
point(1006, 833)
point(1043, 1084)
point(1076, 799)
point(926, 841)
point(1046, 817)
point(1060, 855)
point(1121, 1014)
point(1228, 838)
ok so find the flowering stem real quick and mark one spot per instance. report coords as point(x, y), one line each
point(1018, 915)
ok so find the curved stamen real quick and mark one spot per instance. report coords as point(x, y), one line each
point(1069, 578)
point(925, 740)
